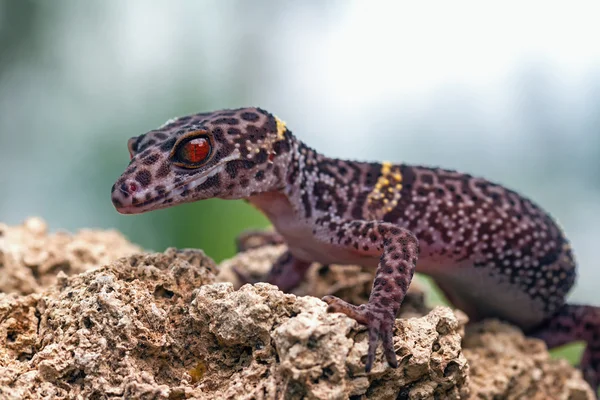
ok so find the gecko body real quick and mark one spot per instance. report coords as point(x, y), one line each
point(493, 252)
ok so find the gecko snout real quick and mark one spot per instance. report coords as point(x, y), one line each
point(125, 195)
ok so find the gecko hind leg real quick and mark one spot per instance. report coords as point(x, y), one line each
point(393, 276)
point(253, 239)
point(572, 323)
point(286, 273)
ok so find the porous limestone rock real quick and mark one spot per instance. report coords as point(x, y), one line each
point(161, 326)
point(157, 325)
point(507, 365)
point(115, 330)
point(280, 344)
point(31, 258)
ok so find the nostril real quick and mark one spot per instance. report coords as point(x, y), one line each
point(128, 188)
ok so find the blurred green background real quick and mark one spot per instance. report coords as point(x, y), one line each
point(509, 91)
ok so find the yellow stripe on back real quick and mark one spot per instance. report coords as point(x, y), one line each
point(387, 189)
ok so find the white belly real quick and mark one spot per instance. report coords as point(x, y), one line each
point(299, 236)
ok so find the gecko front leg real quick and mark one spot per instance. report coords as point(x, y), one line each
point(400, 250)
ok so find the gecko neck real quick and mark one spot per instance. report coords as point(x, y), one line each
point(320, 188)
point(300, 168)
point(327, 192)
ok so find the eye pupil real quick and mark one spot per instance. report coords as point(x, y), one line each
point(195, 151)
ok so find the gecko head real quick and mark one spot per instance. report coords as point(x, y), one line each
point(228, 154)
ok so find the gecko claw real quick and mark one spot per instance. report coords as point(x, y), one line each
point(379, 322)
point(388, 349)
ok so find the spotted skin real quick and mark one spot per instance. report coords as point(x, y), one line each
point(493, 252)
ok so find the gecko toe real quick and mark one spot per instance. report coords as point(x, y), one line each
point(373, 342)
point(388, 348)
point(380, 326)
point(335, 304)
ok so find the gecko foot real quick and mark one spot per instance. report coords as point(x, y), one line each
point(287, 273)
point(243, 277)
point(379, 321)
point(574, 322)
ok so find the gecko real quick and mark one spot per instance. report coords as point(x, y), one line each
point(492, 252)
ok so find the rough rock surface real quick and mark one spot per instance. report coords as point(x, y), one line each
point(30, 258)
point(161, 326)
point(505, 364)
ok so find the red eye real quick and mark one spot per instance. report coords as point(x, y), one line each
point(193, 152)
point(196, 150)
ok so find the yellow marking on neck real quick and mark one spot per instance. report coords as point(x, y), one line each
point(386, 167)
point(280, 128)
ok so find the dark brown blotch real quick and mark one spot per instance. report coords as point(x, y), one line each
point(427, 179)
point(151, 159)
point(234, 166)
point(261, 157)
point(227, 121)
point(281, 147)
point(249, 116)
point(218, 135)
point(143, 177)
point(255, 133)
point(163, 170)
point(212, 181)
point(161, 190)
point(233, 131)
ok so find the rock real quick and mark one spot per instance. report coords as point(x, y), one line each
point(166, 326)
point(118, 330)
point(273, 343)
point(157, 325)
point(31, 259)
point(505, 364)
